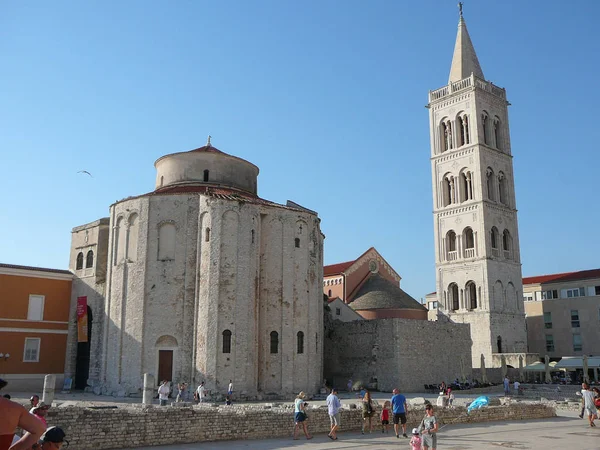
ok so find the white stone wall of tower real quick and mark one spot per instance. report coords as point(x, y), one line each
point(499, 310)
point(227, 283)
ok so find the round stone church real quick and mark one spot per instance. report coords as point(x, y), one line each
point(200, 280)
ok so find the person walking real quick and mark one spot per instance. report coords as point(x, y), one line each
point(230, 388)
point(349, 385)
point(201, 392)
point(415, 440)
point(333, 406)
point(181, 392)
point(13, 415)
point(300, 417)
point(368, 411)
point(506, 383)
point(429, 429)
point(163, 393)
point(399, 409)
point(588, 403)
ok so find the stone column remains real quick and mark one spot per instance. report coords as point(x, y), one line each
point(148, 389)
point(48, 394)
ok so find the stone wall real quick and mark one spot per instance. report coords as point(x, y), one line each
point(398, 353)
point(137, 427)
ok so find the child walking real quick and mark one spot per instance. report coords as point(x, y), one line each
point(415, 441)
point(385, 417)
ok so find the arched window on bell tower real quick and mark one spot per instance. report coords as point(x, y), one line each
point(448, 190)
point(469, 243)
point(497, 133)
point(491, 186)
point(466, 186)
point(471, 292)
point(485, 123)
point(451, 254)
point(453, 300)
point(502, 188)
point(507, 244)
point(494, 237)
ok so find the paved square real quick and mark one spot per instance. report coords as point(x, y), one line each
point(564, 432)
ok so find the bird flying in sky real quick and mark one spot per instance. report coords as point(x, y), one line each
point(86, 172)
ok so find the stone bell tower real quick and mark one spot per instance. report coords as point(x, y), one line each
point(478, 267)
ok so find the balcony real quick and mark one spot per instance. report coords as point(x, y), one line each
point(469, 253)
point(452, 256)
point(467, 83)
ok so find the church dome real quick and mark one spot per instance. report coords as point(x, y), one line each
point(380, 293)
point(205, 166)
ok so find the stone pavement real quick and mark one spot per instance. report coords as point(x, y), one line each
point(564, 432)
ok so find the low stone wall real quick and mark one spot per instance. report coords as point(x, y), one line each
point(144, 427)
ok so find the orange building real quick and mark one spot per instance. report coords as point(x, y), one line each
point(34, 314)
point(371, 287)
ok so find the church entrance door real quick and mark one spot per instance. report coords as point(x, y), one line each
point(165, 365)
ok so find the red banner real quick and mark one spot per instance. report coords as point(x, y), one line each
point(82, 319)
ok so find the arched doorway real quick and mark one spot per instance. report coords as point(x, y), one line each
point(166, 346)
point(82, 364)
point(499, 344)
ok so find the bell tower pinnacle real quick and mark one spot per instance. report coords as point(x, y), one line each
point(478, 267)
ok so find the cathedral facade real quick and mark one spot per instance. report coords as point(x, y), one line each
point(478, 266)
point(200, 280)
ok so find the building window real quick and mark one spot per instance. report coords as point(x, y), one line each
point(274, 342)
point(79, 264)
point(597, 290)
point(547, 320)
point(252, 236)
point(297, 242)
point(499, 342)
point(338, 311)
point(453, 294)
point(32, 350)
point(577, 346)
point(36, 307)
point(494, 240)
point(486, 126)
point(89, 260)
point(207, 235)
point(226, 341)
point(574, 318)
point(550, 294)
point(549, 343)
point(506, 244)
point(466, 186)
point(300, 339)
point(329, 293)
point(451, 254)
point(491, 188)
point(577, 292)
point(469, 240)
point(471, 292)
point(528, 297)
point(206, 175)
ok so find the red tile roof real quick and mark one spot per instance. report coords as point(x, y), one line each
point(335, 269)
point(563, 277)
point(41, 269)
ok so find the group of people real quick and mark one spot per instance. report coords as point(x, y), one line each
point(516, 386)
point(36, 434)
point(590, 399)
point(425, 436)
point(200, 394)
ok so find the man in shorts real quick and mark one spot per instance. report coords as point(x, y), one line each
point(399, 411)
point(588, 404)
point(333, 406)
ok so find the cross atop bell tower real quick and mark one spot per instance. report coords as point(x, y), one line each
point(478, 268)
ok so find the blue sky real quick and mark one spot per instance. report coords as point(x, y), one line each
point(327, 98)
